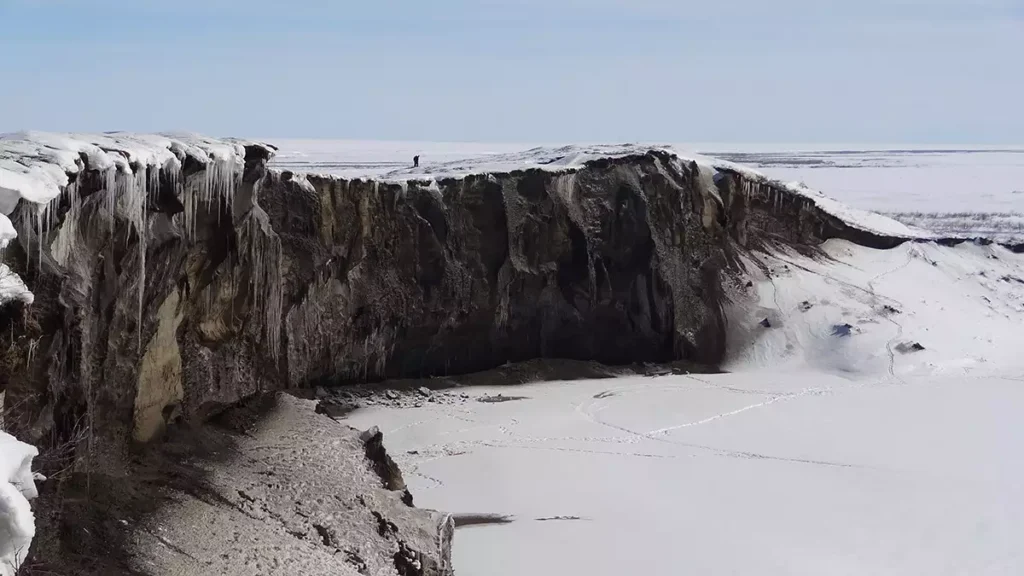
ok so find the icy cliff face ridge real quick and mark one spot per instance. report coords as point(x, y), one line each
point(88, 211)
point(46, 171)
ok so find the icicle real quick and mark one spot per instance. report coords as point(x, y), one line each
point(25, 233)
point(265, 278)
point(41, 217)
point(110, 200)
point(216, 190)
point(67, 237)
point(134, 189)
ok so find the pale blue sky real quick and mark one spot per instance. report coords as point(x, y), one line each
point(879, 71)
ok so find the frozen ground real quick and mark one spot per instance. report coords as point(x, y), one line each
point(952, 190)
point(832, 448)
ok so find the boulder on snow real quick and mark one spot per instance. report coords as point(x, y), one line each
point(842, 330)
point(909, 347)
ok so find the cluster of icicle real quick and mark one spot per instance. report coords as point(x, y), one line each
point(133, 169)
point(128, 193)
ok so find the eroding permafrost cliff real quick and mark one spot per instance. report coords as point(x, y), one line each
point(158, 280)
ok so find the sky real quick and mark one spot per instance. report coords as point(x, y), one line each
point(827, 71)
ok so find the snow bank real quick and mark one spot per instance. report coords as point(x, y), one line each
point(854, 313)
point(17, 487)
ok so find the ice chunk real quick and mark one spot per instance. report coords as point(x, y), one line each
point(17, 487)
point(12, 287)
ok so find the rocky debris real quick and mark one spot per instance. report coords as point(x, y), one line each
point(498, 399)
point(463, 520)
point(805, 306)
point(891, 310)
point(909, 347)
point(340, 401)
point(383, 465)
point(842, 330)
point(336, 408)
point(654, 370)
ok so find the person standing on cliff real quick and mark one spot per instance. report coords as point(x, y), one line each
point(416, 161)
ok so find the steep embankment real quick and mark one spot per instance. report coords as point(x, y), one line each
point(173, 277)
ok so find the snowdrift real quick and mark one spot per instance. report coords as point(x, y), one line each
point(918, 309)
point(17, 487)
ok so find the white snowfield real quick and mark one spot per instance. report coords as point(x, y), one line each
point(834, 447)
point(17, 487)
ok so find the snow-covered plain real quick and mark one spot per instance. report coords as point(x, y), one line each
point(832, 448)
point(953, 191)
